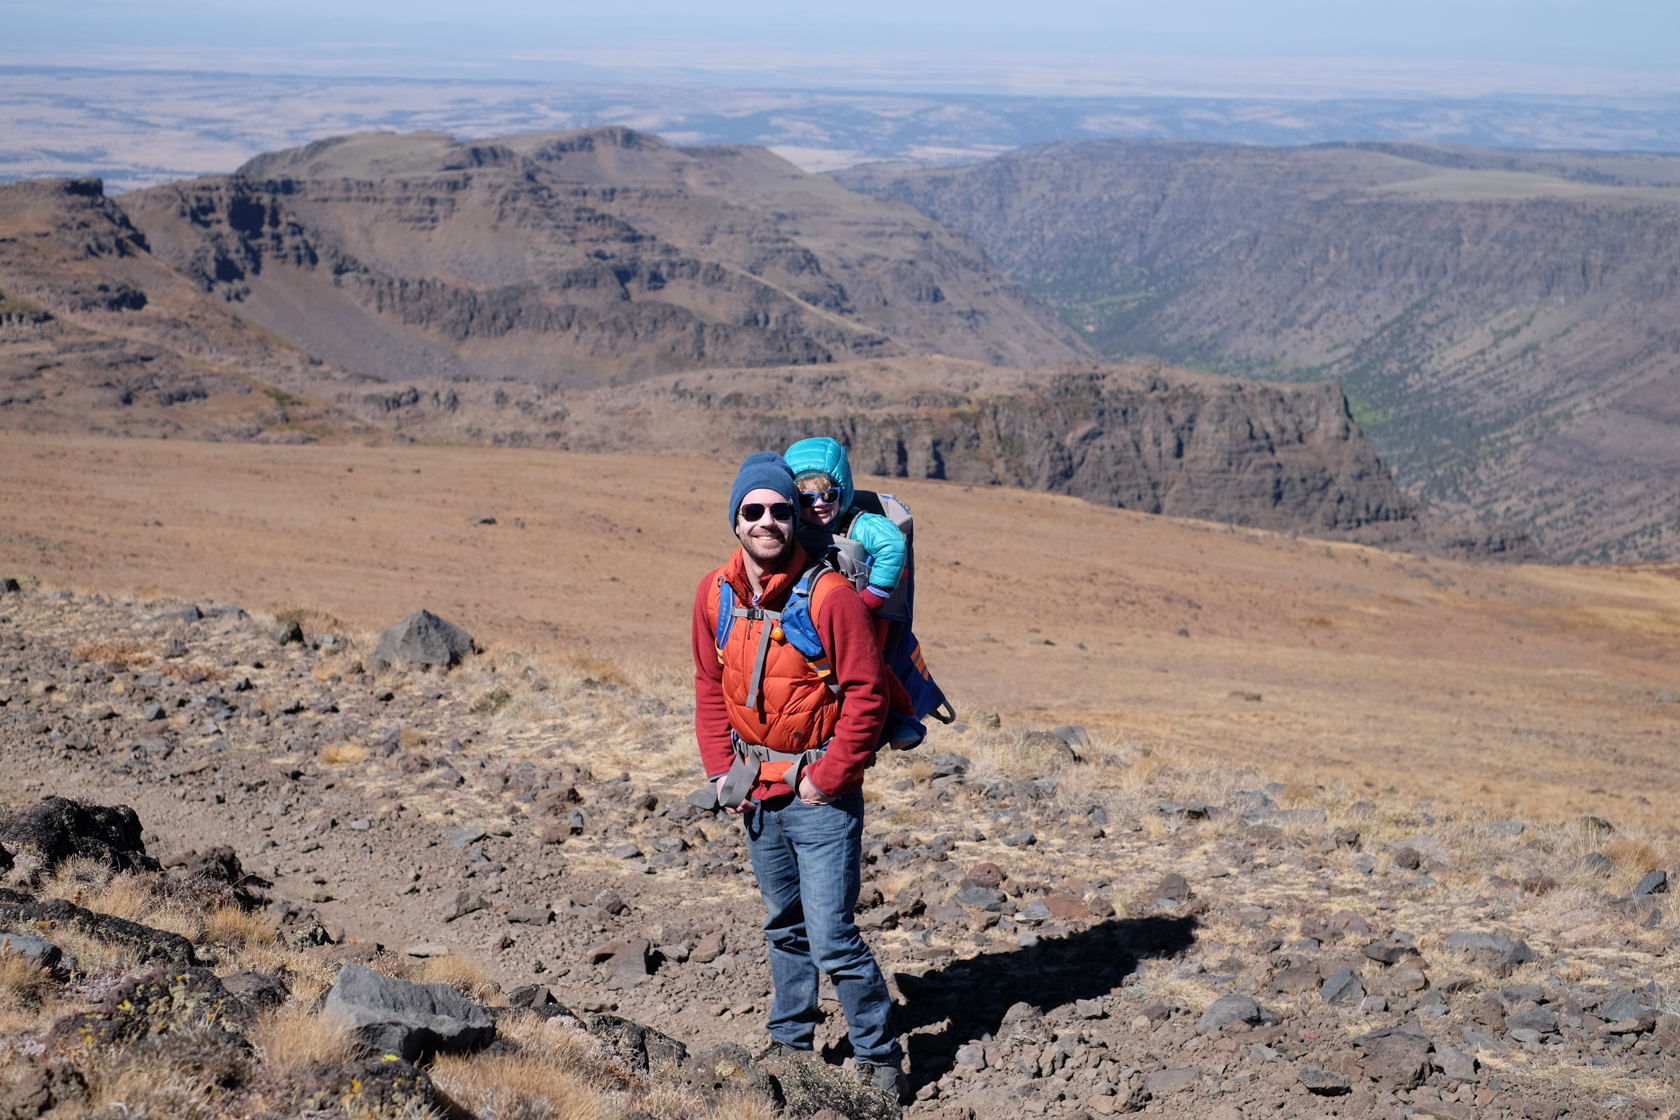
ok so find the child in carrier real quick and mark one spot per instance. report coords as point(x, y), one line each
point(864, 529)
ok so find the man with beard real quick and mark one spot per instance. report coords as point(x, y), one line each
point(790, 698)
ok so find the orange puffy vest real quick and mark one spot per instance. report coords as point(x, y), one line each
point(793, 709)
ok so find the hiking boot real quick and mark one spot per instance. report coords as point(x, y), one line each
point(885, 1079)
point(777, 1050)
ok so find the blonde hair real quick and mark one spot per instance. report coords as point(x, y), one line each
point(812, 481)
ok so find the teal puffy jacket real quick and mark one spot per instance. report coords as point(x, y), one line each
point(877, 534)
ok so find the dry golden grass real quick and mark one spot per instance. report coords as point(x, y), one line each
point(232, 925)
point(339, 753)
point(21, 981)
point(126, 896)
point(1632, 855)
point(312, 619)
point(188, 673)
point(125, 653)
point(186, 1074)
point(1580, 652)
point(76, 879)
point(552, 1076)
point(289, 1038)
point(466, 976)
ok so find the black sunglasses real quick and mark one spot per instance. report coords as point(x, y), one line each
point(828, 497)
point(753, 512)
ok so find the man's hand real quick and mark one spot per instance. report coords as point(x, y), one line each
point(810, 794)
point(737, 810)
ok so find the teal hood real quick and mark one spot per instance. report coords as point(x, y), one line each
point(826, 455)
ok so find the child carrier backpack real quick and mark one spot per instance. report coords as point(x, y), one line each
point(902, 650)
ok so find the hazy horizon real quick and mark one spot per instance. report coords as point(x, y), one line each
point(1276, 48)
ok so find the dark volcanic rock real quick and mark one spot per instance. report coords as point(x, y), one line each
point(257, 989)
point(378, 1087)
point(1493, 951)
point(160, 1002)
point(38, 949)
point(424, 639)
point(42, 1089)
point(642, 1048)
point(1325, 1083)
point(727, 1070)
point(57, 829)
point(1226, 1009)
point(145, 942)
point(397, 1017)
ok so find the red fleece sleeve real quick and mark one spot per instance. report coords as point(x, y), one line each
point(848, 634)
point(711, 717)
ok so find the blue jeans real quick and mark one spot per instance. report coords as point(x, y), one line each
point(808, 859)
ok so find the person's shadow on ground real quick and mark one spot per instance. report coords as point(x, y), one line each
point(975, 993)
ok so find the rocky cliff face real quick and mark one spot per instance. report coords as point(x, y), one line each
point(1287, 458)
point(1504, 323)
point(580, 258)
point(96, 335)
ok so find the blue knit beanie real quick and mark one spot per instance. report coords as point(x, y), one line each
point(762, 470)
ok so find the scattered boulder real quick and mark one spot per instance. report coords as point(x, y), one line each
point(57, 828)
point(642, 1048)
point(708, 949)
point(42, 952)
point(1226, 1009)
point(44, 1087)
point(394, 1016)
point(146, 943)
point(1170, 1081)
point(257, 989)
point(1323, 1082)
point(1493, 951)
point(1173, 889)
point(157, 1003)
point(1021, 1023)
point(383, 1086)
point(424, 639)
point(464, 903)
point(1454, 1064)
point(727, 1072)
point(1654, 883)
point(1342, 986)
point(1396, 1057)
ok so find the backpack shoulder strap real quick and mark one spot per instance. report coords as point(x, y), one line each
point(720, 607)
point(826, 582)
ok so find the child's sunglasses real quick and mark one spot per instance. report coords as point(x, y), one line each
point(828, 497)
point(753, 512)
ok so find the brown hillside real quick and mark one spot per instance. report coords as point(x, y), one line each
point(1550, 691)
point(1503, 322)
point(581, 258)
point(110, 340)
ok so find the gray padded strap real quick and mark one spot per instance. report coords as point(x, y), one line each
point(763, 647)
point(743, 772)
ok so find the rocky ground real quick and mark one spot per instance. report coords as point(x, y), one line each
point(1071, 927)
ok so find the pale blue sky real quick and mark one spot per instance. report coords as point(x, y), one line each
point(898, 42)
